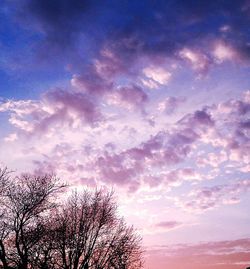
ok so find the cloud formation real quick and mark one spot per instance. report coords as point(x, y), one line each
point(56, 109)
point(128, 97)
point(170, 104)
point(137, 166)
point(208, 198)
point(135, 30)
point(155, 76)
point(220, 255)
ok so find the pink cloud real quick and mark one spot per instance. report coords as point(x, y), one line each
point(234, 107)
point(127, 166)
point(150, 163)
point(114, 170)
point(213, 53)
point(167, 224)
point(56, 108)
point(170, 104)
point(198, 60)
point(207, 198)
point(210, 255)
point(79, 105)
point(173, 178)
point(232, 128)
point(90, 83)
point(155, 76)
point(129, 97)
point(224, 52)
point(109, 64)
point(135, 166)
point(200, 118)
point(161, 150)
point(101, 75)
point(213, 159)
point(162, 227)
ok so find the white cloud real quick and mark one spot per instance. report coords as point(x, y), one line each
point(155, 77)
point(198, 60)
point(224, 52)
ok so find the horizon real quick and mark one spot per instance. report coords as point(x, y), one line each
point(148, 98)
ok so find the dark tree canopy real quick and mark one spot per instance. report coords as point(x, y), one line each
point(81, 232)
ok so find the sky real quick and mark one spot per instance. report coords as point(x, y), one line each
point(148, 98)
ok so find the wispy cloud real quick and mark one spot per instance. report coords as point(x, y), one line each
point(219, 255)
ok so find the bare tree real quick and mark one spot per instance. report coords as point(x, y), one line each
point(89, 235)
point(25, 200)
point(4, 229)
point(83, 232)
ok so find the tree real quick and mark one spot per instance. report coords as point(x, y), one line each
point(25, 200)
point(83, 232)
point(88, 234)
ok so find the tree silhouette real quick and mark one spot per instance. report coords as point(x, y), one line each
point(90, 235)
point(83, 232)
point(25, 200)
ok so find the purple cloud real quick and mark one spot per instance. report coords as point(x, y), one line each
point(170, 104)
point(163, 149)
point(77, 28)
point(208, 198)
point(129, 97)
point(91, 83)
point(135, 166)
point(167, 225)
point(219, 254)
point(56, 108)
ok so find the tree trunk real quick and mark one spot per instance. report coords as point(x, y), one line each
point(3, 255)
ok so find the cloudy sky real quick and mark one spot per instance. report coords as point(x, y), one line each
point(150, 98)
